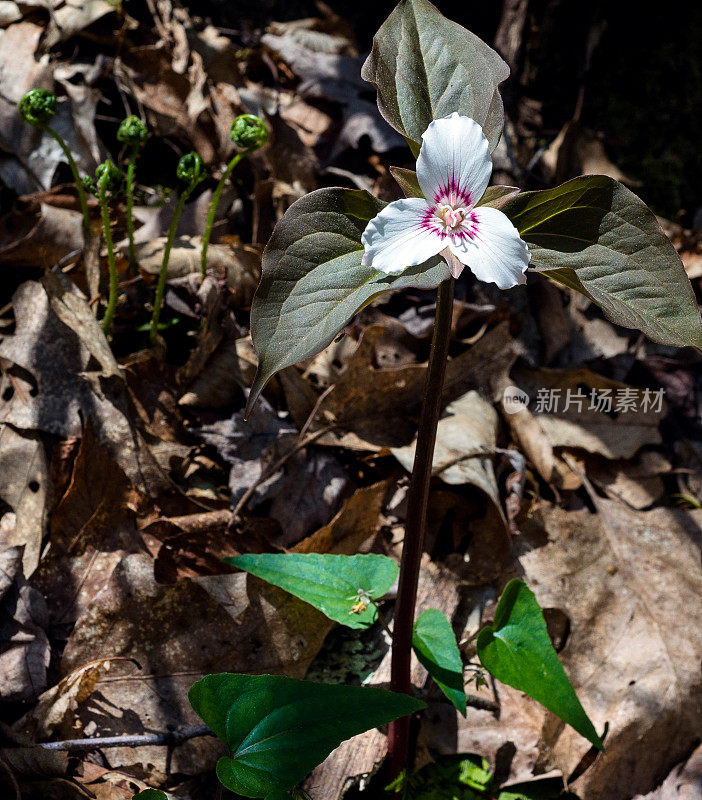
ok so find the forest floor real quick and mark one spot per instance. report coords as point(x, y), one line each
point(127, 473)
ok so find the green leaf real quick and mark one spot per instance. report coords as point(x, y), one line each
point(594, 235)
point(151, 794)
point(407, 181)
point(498, 196)
point(425, 66)
point(516, 649)
point(339, 586)
point(312, 281)
point(279, 729)
point(435, 646)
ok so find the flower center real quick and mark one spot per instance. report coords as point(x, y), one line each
point(451, 217)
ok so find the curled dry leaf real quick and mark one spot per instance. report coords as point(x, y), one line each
point(55, 707)
point(357, 520)
point(637, 482)
point(68, 19)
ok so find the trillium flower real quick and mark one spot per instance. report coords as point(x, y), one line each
point(453, 170)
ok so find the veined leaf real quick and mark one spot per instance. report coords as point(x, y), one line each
point(435, 646)
point(516, 649)
point(339, 586)
point(594, 235)
point(425, 66)
point(279, 729)
point(312, 281)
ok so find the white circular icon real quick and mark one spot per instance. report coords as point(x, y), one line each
point(514, 399)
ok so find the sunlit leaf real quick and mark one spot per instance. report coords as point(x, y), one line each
point(279, 729)
point(341, 587)
point(435, 646)
point(516, 649)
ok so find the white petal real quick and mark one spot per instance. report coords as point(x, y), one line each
point(494, 252)
point(399, 237)
point(454, 157)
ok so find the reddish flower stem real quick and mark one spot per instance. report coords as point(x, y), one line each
point(417, 501)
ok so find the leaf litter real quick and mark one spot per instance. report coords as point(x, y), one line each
point(120, 474)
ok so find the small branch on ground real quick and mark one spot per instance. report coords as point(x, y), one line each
point(166, 739)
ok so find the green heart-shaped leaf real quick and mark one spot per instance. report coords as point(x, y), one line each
point(339, 586)
point(435, 646)
point(594, 235)
point(279, 729)
point(516, 649)
point(425, 66)
point(312, 281)
point(150, 794)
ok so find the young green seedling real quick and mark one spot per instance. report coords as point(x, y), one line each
point(133, 133)
point(108, 178)
point(191, 171)
point(248, 133)
point(38, 108)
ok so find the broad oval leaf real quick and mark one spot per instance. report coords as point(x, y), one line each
point(339, 586)
point(516, 649)
point(312, 281)
point(425, 66)
point(279, 729)
point(596, 236)
point(435, 646)
point(150, 794)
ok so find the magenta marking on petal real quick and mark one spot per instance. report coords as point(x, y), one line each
point(428, 222)
point(452, 193)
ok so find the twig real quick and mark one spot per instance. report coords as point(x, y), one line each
point(166, 739)
point(302, 443)
point(481, 703)
point(322, 397)
point(382, 620)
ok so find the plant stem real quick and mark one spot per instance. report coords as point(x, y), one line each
point(130, 205)
point(114, 285)
point(76, 177)
point(213, 209)
point(417, 501)
point(161, 285)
